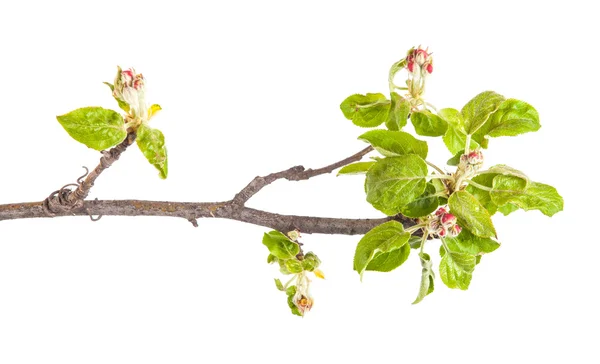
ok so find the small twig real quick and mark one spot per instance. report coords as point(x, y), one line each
point(107, 159)
point(296, 173)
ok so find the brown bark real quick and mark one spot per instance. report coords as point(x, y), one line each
point(65, 202)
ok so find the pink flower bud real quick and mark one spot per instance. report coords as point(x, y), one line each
point(475, 157)
point(454, 231)
point(448, 219)
point(441, 211)
point(429, 68)
point(442, 232)
point(411, 66)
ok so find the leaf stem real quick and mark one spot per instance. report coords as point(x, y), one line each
point(477, 185)
point(423, 240)
point(414, 228)
point(435, 167)
point(467, 144)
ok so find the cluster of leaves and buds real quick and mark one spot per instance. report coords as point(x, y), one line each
point(287, 252)
point(454, 206)
point(100, 128)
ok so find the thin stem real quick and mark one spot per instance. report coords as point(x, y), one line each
point(440, 176)
point(423, 240)
point(467, 144)
point(431, 106)
point(481, 187)
point(414, 228)
point(435, 167)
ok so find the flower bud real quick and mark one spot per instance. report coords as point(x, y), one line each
point(454, 230)
point(441, 211)
point(475, 157)
point(448, 219)
point(304, 303)
point(442, 232)
point(129, 87)
point(421, 59)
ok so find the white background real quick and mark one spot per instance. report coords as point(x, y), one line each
point(251, 88)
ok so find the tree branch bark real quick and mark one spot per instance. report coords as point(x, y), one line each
point(233, 209)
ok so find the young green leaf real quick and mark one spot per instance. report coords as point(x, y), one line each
point(279, 285)
point(395, 181)
point(512, 118)
point(290, 292)
point(293, 266)
point(395, 143)
point(423, 205)
point(471, 214)
point(387, 262)
point(535, 196)
point(456, 269)
point(427, 278)
point(455, 140)
point(280, 245)
point(152, 144)
point(508, 209)
point(505, 170)
point(310, 262)
point(95, 127)
point(483, 196)
point(477, 111)
point(455, 160)
point(356, 168)
point(367, 111)
point(399, 111)
point(385, 238)
point(466, 242)
point(428, 124)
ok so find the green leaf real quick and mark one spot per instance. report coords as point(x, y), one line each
point(279, 285)
point(310, 262)
point(280, 245)
point(535, 196)
point(414, 242)
point(95, 127)
point(367, 111)
point(271, 259)
point(423, 205)
point(456, 269)
point(387, 262)
point(454, 161)
point(293, 266)
point(477, 111)
point(356, 168)
point(395, 143)
point(152, 144)
point(399, 111)
point(483, 196)
point(508, 208)
point(455, 140)
point(505, 188)
point(471, 214)
point(466, 242)
point(427, 278)
point(290, 292)
point(395, 181)
point(428, 124)
point(385, 238)
point(512, 118)
point(505, 170)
